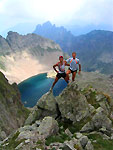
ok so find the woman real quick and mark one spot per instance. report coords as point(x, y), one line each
point(61, 70)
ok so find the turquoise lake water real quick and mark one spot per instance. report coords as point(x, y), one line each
point(33, 88)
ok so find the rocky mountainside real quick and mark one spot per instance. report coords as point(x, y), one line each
point(77, 119)
point(58, 34)
point(12, 111)
point(95, 49)
point(29, 54)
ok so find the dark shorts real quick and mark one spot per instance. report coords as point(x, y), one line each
point(61, 75)
point(73, 70)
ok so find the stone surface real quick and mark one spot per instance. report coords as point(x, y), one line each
point(48, 127)
point(83, 141)
point(89, 146)
point(72, 104)
point(46, 106)
point(72, 145)
point(99, 120)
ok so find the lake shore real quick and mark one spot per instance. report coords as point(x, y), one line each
point(20, 66)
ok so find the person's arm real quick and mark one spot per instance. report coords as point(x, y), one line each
point(79, 67)
point(54, 67)
point(66, 64)
point(68, 60)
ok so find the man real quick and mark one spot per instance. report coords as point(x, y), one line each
point(61, 73)
point(74, 63)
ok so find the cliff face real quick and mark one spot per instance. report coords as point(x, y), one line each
point(79, 118)
point(12, 111)
point(22, 56)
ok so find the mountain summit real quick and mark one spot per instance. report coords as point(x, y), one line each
point(59, 34)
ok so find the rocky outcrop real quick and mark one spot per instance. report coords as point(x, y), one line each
point(73, 105)
point(12, 111)
point(77, 119)
point(46, 106)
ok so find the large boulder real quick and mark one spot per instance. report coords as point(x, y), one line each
point(46, 106)
point(99, 120)
point(73, 104)
point(48, 127)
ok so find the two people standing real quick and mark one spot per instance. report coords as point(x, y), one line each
point(73, 64)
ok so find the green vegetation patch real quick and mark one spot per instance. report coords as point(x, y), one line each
point(12, 142)
point(57, 138)
point(76, 127)
point(99, 143)
point(91, 96)
point(23, 112)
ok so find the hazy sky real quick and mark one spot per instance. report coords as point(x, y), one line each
point(60, 12)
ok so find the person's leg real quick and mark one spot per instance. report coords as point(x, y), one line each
point(55, 81)
point(67, 74)
point(73, 76)
point(66, 80)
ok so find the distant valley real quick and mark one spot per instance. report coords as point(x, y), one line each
point(23, 56)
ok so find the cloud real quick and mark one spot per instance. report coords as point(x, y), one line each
point(96, 12)
point(60, 12)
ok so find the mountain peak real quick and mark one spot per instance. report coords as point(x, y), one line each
point(99, 32)
point(12, 33)
point(48, 23)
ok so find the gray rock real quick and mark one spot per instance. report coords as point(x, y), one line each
point(73, 144)
point(105, 131)
point(46, 106)
point(72, 104)
point(83, 141)
point(67, 131)
point(79, 135)
point(3, 135)
point(19, 146)
point(89, 146)
point(48, 127)
point(98, 121)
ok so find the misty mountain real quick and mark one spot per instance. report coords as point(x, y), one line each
point(58, 34)
point(77, 30)
point(95, 49)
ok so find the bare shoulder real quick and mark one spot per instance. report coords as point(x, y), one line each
point(58, 62)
